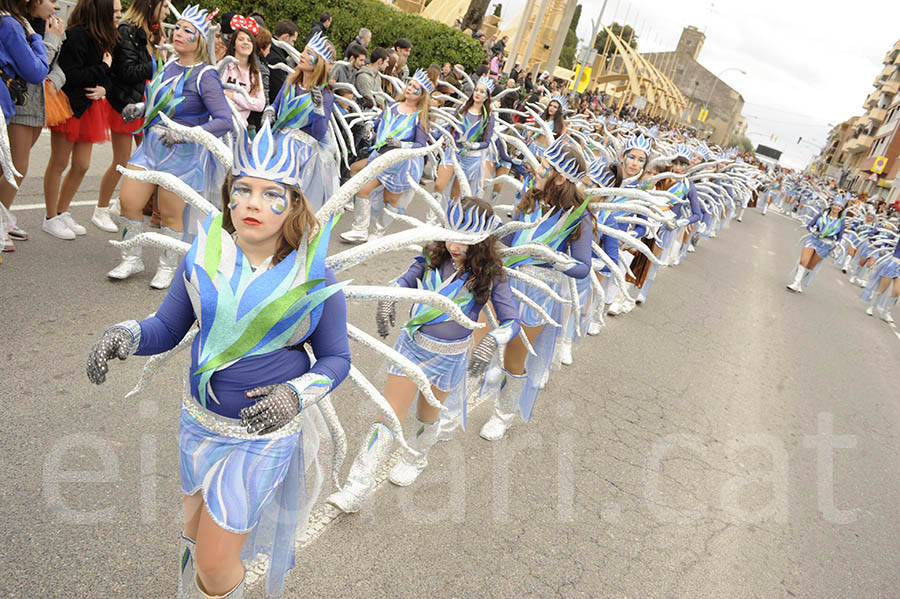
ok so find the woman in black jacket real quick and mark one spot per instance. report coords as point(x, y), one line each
point(132, 65)
point(85, 58)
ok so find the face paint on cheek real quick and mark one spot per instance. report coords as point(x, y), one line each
point(278, 205)
point(190, 36)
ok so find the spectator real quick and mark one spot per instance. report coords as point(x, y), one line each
point(500, 46)
point(362, 39)
point(509, 101)
point(287, 32)
point(449, 75)
point(457, 24)
point(495, 67)
point(346, 73)
point(368, 78)
point(321, 26)
point(263, 48)
point(514, 73)
point(403, 47)
point(245, 73)
point(529, 84)
point(259, 18)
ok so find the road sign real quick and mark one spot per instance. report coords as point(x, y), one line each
point(880, 163)
point(703, 114)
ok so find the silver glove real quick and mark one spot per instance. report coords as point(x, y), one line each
point(470, 145)
point(391, 143)
point(481, 356)
point(119, 341)
point(385, 315)
point(133, 112)
point(315, 95)
point(170, 138)
point(368, 131)
point(269, 115)
point(278, 406)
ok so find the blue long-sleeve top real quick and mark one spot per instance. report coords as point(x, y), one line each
point(610, 247)
point(412, 132)
point(822, 223)
point(579, 249)
point(317, 125)
point(204, 101)
point(328, 341)
point(696, 211)
point(25, 57)
point(474, 123)
point(505, 306)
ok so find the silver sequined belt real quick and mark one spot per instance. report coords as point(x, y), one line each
point(232, 427)
point(548, 275)
point(304, 137)
point(445, 348)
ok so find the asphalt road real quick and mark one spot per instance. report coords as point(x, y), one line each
point(726, 439)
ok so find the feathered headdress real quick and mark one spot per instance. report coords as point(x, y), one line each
point(197, 17)
point(421, 77)
point(321, 46)
point(601, 173)
point(567, 166)
point(473, 221)
point(638, 142)
point(562, 101)
point(270, 155)
point(488, 83)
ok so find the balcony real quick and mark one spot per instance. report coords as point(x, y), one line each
point(890, 87)
point(871, 100)
point(859, 143)
point(877, 115)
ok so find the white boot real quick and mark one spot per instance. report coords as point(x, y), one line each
point(103, 220)
point(873, 304)
point(131, 263)
point(846, 265)
point(361, 217)
point(186, 571)
point(565, 352)
point(168, 262)
point(407, 469)
point(888, 308)
point(235, 593)
point(361, 479)
point(383, 221)
point(797, 286)
point(505, 408)
point(862, 276)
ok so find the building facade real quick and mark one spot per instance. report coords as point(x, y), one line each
point(864, 151)
point(702, 88)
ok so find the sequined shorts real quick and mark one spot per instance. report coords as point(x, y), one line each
point(444, 370)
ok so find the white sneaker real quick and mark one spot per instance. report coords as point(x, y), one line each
point(353, 236)
point(103, 221)
point(16, 233)
point(56, 226)
point(70, 222)
point(565, 352)
point(870, 310)
point(853, 280)
point(594, 328)
point(7, 245)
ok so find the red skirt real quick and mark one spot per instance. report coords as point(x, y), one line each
point(118, 125)
point(92, 127)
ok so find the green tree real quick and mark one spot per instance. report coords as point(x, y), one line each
point(624, 32)
point(742, 142)
point(567, 54)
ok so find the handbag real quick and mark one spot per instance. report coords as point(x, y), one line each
point(18, 89)
point(56, 105)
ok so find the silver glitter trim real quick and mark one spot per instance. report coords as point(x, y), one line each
point(445, 348)
point(232, 427)
point(201, 136)
point(154, 239)
point(174, 184)
point(133, 327)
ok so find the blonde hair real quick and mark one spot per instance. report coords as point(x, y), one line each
point(424, 103)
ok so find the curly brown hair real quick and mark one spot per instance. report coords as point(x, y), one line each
point(300, 221)
point(482, 261)
point(564, 195)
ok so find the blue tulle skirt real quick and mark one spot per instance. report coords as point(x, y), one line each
point(394, 178)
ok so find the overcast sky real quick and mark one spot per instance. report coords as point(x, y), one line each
point(809, 64)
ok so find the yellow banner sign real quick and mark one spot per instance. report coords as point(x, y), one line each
point(879, 164)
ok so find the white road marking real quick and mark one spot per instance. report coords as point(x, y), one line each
point(21, 207)
point(771, 253)
point(755, 247)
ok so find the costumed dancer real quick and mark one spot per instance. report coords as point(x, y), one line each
point(825, 232)
point(256, 284)
point(304, 107)
point(884, 284)
point(861, 249)
point(469, 273)
point(471, 141)
point(186, 92)
point(565, 225)
point(132, 66)
point(402, 124)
